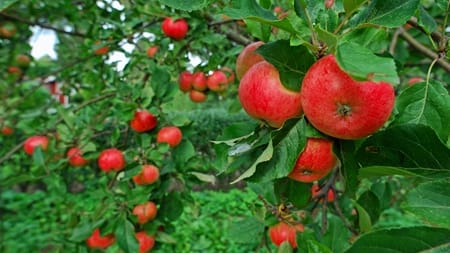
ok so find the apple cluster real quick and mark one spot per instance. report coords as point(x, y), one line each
point(198, 83)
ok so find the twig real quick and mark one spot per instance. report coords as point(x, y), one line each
point(344, 219)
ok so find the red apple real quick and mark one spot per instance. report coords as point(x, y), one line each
point(282, 232)
point(6, 130)
point(100, 50)
point(264, 97)
point(23, 60)
point(14, 70)
point(414, 80)
point(247, 58)
point(35, 141)
point(75, 157)
point(111, 160)
point(146, 242)
point(229, 72)
point(8, 30)
point(217, 81)
point(176, 30)
point(315, 190)
point(315, 161)
point(328, 4)
point(151, 51)
point(143, 121)
point(171, 135)
point(197, 96)
point(145, 212)
point(185, 81)
point(97, 241)
point(277, 9)
point(148, 175)
point(342, 107)
point(199, 81)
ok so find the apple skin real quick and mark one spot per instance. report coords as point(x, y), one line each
point(284, 232)
point(75, 158)
point(143, 121)
point(8, 30)
point(148, 175)
point(111, 160)
point(176, 30)
point(328, 4)
point(146, 242)
point(315, 161)
point(6, 130)
point(217, 81)
point(101, 50)
point(171, 135)
point(152, 50)
point(247, 58)
point(34, 141)
point(145, 212)
point(199, 81)
point(97, 241)
point(197, 96)
point(315, 190)
point(185, 81)
point(23, 60)
point(341, 107)
point(263, 96)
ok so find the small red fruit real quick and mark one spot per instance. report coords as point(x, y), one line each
point(8, 30)
point(229, 72)
point(315, 190)
point(315, 161)
point(6, 130)
point(143, 121)
point(217, 81)
point(176, 30)
point(328, 4)
point(23, 60)
point(197, 96)
point(170, 134)
point(185, 81)
point(14, 70)
point(75, 157)
point(97, 241)
point(199, 81)
point(151, 51)
point(146, 242)
point(277, 9)
point(111, 160)
point(101, 50)
point(247, 58)
point(34, 141)
point(282, 232)
point(342, 107)
point(263, 96)
point(145, 212)
point(148, 175)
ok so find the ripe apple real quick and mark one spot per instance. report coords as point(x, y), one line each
point(170, 134)
point(23, 60)
point(247, 58)
point(217, 81)
point(97, 241)
point(176, 30)
point(75, 158)
point(414, 80)
point(229, 72)
point(6, 130)
point(143, 121)
point(34, 141)
point(146, 242)
point(101, 50)
point(111, 160)
point(151, 51)
point(199, 81)
point(14, 70)
point(342, 107)
point(328, 4)
point(264, 97)
point(315, 161)
point(197, 96)
point(315, 190)
point(148, 175)
point(282, 232)
point(277, 9)
point(8, 30)
point(185, 81)
point(145, 212)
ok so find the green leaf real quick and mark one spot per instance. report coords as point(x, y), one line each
point(286, 149)
point(352, 5)
point(295, 192)
point(370, 202)
point(246, 230)
point(427, 104)
point(431, 202)
point(364, 221)
point(183, 152)
point(171, 207)
point(38, 156)
point(84, 230)
point(379, 171)
point(264, 157)
point(354, 58)
point(165, 238)
point(125, 235)
point(284, 247)
point(426, 21)
point(372, 38)
point(336, 237)
point(350, 166)
point(291, 62)
point(402, 240)
point(6, 3)
point(415, 148)
point(204, 177)
point(392, 13)
point(317, 247)
point(186, 5)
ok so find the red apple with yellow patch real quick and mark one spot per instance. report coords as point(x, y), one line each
point(247, 58)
